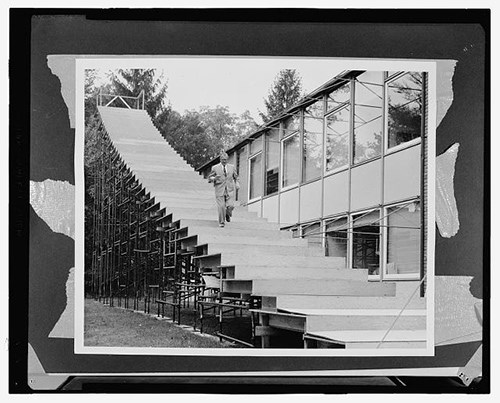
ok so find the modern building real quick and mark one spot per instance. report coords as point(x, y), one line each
point(346, 168)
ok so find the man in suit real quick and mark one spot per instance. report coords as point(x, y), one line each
point(225, 180)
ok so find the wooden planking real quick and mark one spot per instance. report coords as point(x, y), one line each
point(281, 320)
point(237, 286)
point(259, 230)
point(321, 287)
point(371, 336)
point(276, 272)
point(374, 321)
point(231, 239)
point(389, 344)
point(264, 249)
point(347, 302)
point(281, 260)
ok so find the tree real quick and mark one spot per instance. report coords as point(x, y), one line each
point(285, 91)
point(131, 82)
point(244, 126)
point(200, 135)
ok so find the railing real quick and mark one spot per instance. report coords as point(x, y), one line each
point(138, 104)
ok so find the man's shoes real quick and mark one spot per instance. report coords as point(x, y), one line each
point(228, 218)
point(221, 225)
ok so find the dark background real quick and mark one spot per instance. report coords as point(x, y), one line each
point(42, 142)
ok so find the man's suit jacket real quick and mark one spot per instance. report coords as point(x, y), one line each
point(223, 182)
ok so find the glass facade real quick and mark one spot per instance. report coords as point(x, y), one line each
point(326, 139)
point(312, 232)
point(403, 239)
point(256, 145)
point(339, 97)
point(337, 138)
point(291, 154)
point(336, 238)
point(366, 241)
point(313, 141)
point(368, 122)
point(272, 161)
point(291, 125)
point(404, 108)
point(255, 176)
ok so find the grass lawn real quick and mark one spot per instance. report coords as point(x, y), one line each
point(118, 327)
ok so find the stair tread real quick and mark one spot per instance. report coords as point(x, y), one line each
point(353, 336)
point(356, 312)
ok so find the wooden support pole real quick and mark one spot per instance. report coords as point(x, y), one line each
point(265, 339)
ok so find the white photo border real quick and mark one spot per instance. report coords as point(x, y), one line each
point(130, 61)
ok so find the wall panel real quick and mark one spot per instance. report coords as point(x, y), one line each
point(256, 207)
point(289, 207)
point(310, 201)
point(402, 175)
point(270, 208)
point(336, 193)
point(366, 186)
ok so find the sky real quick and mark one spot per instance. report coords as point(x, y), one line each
point(238, 83)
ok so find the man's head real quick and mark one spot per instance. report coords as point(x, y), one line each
point(223, 158)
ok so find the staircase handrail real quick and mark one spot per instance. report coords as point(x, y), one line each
point(139, 98)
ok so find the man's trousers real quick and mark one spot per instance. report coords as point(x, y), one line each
point(225, 205)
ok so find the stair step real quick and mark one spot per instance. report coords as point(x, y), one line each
point(345, 302)
point(246, 272)
point(270, 250)
point(367, 321)
point(320, 287)
point(236, 240)
point(213, 223)
point(282, 260)
point(211, 215)
point(372, 338)
point(258, 229)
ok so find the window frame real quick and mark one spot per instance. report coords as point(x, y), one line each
point(371, 277)
point(302, 178)
point(250, 158)
point(329, 220)
point(282, 162)
point(385, 235)
point(352, 146)
point(266, 149)
point(327, 172)
point(390, 150)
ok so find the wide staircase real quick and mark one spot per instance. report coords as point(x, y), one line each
point(300, 288)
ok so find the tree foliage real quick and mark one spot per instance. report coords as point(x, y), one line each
point(200, 135)
point(285, 91)
point(131, 82)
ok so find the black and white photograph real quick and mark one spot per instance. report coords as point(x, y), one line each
point(249, 200)
point(261, 204)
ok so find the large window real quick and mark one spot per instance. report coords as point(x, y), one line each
point(238, 169)
point(272, 160)
point(403, 240)
point(368, 94)
point(256, 145)
point(291, 151)
point(336, 238)
point(339, 97)
point(312, 232)
point(255, 176)
point(291, 125)
point(366, 241)
point(404, 108)
point(337, 138)
point(313, 141)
